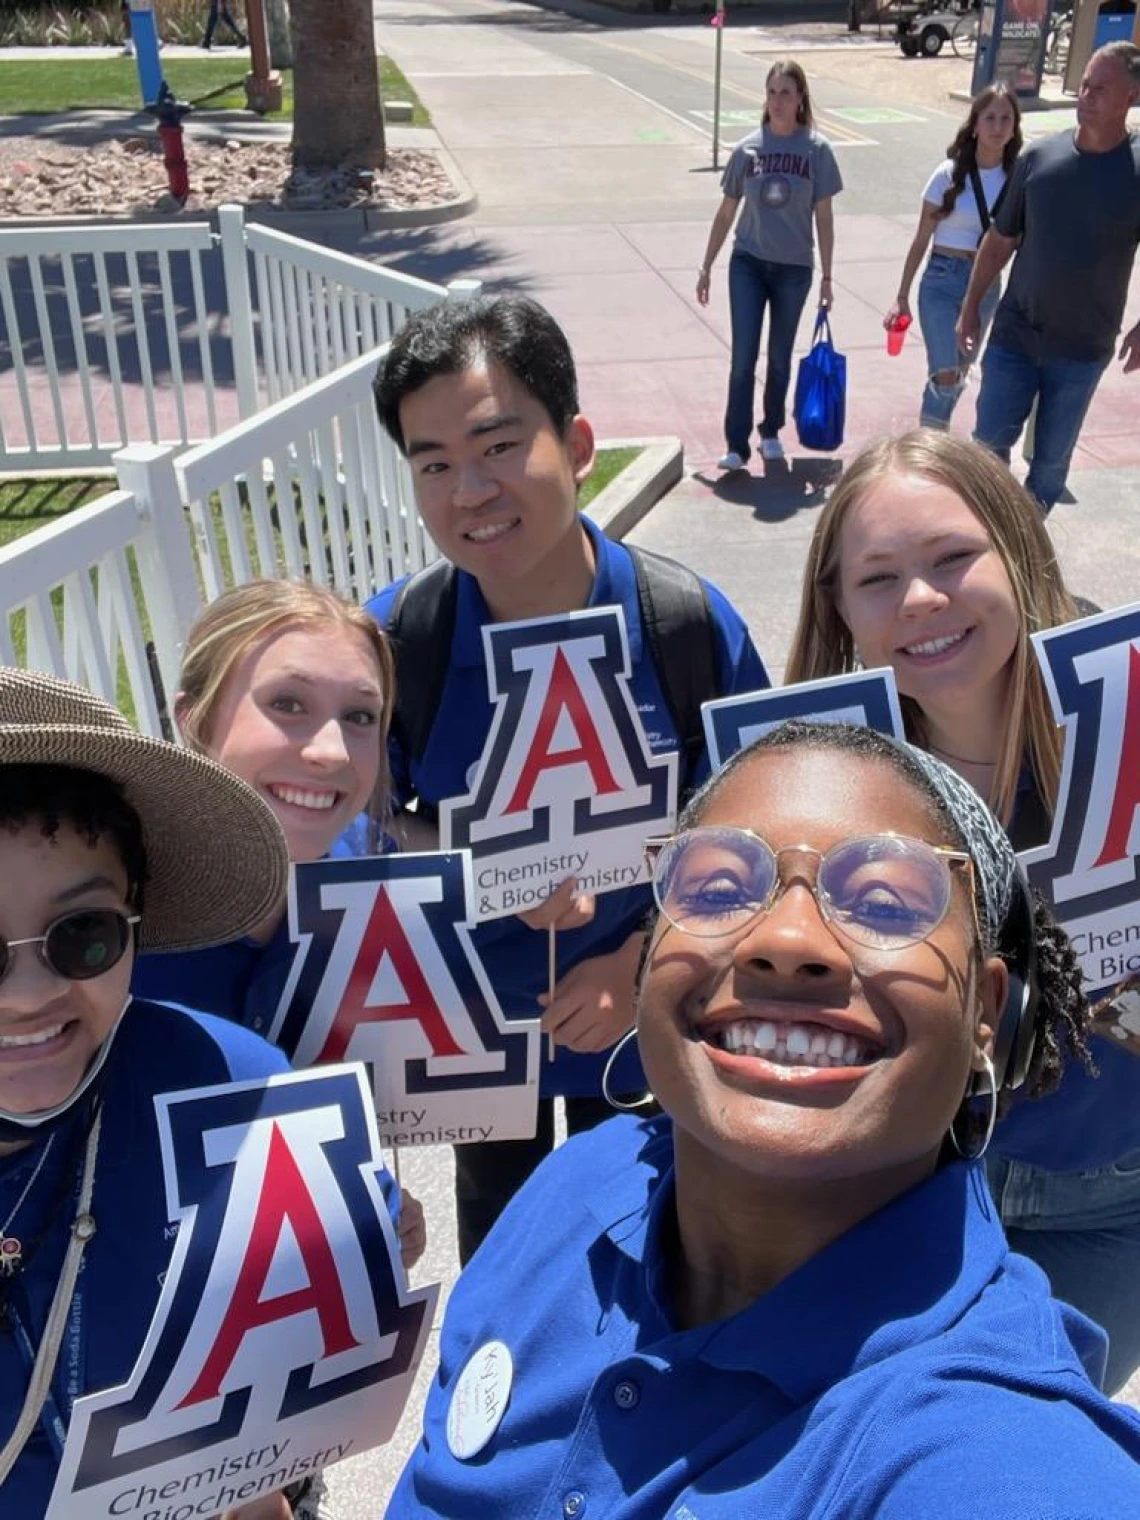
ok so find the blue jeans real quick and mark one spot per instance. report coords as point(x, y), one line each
point(940, 294)
point(754, 284)
point(220, 11)
point(1083, 1230)
point(1062, 388)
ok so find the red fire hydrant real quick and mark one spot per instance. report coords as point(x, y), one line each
point(169, 113)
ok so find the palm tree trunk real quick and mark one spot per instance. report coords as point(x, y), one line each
point(280, 42)
point(337, 115)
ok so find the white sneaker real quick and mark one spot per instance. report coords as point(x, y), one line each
point(730, 461)
point(127, 50)
point(771, 448)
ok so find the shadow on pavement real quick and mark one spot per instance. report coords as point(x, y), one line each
point(439, 254)
point(785, 487)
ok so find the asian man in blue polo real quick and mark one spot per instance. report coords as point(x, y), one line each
point(482, 399)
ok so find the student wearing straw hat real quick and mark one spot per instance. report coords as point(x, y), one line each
point(110, 843)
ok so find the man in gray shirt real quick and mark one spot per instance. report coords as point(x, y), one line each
point(1073, 205)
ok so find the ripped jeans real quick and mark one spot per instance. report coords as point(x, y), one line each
point(940, 294)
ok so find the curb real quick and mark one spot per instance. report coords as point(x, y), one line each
point(629, 497)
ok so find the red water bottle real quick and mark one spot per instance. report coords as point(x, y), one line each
point(896, 332)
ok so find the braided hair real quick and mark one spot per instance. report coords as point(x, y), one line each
point(963, 151)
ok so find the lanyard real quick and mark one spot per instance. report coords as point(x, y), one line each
point(39, 1384)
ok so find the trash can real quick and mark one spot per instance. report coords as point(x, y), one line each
point(1114, 24)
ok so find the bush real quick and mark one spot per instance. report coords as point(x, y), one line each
point(24, 24)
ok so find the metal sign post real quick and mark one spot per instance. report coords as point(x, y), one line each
point(144, 35)
point(718, 22)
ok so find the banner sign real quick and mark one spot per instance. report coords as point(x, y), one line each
point(386, 973)
point(284, 1339)
point(1088, 870)
point(1011, 45)
point(567, 784)
point(866, 697)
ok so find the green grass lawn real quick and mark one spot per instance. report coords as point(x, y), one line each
point(609, 464)
point(26, 505)
point(29, 504)
point(210, 84)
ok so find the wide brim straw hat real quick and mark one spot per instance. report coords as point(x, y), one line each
point(217, 862)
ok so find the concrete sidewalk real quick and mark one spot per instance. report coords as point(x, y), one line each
point(589, 153)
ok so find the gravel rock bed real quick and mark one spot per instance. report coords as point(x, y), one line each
point(127, 177)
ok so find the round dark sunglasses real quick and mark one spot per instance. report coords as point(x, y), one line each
point(881, 890)
point(79, 945)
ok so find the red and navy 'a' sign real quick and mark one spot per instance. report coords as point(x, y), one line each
point(867, 697)
point(387, 972)
point(283, 1317)
point(567, 783)
point(1089, 869)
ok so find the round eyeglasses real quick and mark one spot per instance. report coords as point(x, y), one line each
point(78, 946)
point(883, 891)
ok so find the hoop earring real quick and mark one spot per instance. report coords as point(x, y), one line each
point(976, 1155)
point(622, 1106)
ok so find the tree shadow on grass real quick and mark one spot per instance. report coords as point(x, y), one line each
point(26, 504)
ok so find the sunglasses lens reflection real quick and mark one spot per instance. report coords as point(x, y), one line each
point(84, 945)
point(81, 945)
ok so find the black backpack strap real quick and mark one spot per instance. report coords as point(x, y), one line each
point(678, 623)
point(420, 627)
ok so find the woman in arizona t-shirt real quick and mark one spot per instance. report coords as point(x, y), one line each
point(784, 174)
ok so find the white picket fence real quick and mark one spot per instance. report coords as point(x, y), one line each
point(119, 334)
point(309, 486)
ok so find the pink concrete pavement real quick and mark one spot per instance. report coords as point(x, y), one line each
point(651, 360)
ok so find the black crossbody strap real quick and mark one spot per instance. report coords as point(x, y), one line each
point(986, 213)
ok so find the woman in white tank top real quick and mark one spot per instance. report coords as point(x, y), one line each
point(971, 177)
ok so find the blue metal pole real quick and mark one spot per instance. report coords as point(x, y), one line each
point(144, 35)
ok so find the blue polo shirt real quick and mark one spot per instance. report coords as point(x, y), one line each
point(156, 1050)
point(1090, 1122)
point(242, 980)
point(915, 1368)
point(515, 955)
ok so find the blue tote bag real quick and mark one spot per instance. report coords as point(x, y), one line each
point(821, 392)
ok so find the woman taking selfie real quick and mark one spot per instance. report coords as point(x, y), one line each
point(930, 558)
point(102, 853)
point(789, 1296)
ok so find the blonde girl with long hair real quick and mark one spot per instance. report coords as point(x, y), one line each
point(291, 688)
point(930, 558)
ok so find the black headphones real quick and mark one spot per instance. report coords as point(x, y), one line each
point(1016, 1030)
